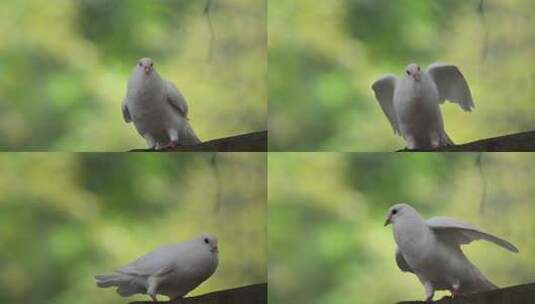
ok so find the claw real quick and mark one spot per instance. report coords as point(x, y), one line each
point(170, 146)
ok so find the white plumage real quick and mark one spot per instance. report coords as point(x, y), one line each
point(412, 103)
point(172, 270)
point(157, 109)
point(431, 250)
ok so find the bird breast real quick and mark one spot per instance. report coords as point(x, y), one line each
point(415, 241)
point(419, 95)
point(191, 271)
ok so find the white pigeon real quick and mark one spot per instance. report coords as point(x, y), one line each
point(412, 103)
point(172, 270)
point(157, 109)
point(431, 249)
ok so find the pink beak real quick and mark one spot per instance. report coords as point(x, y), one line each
point(147, 69)
point(416, 76)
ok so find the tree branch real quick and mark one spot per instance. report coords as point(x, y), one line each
point(252, 294)
point(519, 294)
point(519, 142)
point(252, 142)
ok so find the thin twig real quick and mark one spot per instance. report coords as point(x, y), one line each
point(483, 18)
point(207, 10)
point(479, 164)
point(218, 186)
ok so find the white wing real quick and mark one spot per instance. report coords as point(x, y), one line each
point(455, 232)
point(126, 114)
point(176, 99)
point(451, 84)
point(384, 92)
point(155, 263)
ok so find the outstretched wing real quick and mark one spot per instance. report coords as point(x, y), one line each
point(402, 264)
point(175, 98)
point(451, 85)
point(456, 233)
point(384, 93)
point(126, 114)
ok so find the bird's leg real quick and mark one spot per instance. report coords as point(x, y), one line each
point(150, 141)
point(435, 140)
point(429, 291)
point(455, 293)
point(411, 142)
point(173, 139)
point(152, 288)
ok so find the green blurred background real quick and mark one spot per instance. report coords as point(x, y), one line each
point(66, 217)
point(64, 65)
point(326, 216)
point(324, 57)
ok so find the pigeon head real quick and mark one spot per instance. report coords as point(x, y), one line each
point(414, 71)
point(146, 65)
point(210, 241)
point(397, 211)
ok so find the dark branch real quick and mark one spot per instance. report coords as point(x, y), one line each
point(519, 142)
point(520, 294)
point(252, 294)
point(252, 142)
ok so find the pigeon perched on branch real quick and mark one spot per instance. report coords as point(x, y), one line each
point(431, 249)
point(172, 270)
point(412, 102)
point(157, 109)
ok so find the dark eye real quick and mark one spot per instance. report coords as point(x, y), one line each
point(140, 64)
point(151, 65)
point(418, 69)
point(394, 211)
point(408, 72)
point(206, 240)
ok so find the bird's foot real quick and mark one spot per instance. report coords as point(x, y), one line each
point(154, 299)
point(170, 146)
point(455, 290)
point(455, 293)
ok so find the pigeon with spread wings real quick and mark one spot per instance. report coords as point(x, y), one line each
point(431, 249)
point(412, 103)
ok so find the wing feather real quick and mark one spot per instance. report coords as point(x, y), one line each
point(175, 98)
point(384, 93)
point(402, 264)
point(458, 233)
point(126, 114)
point(451, 85)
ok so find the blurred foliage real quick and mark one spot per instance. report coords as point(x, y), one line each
point(324, 57)
point(64, 67)
point(67, 217)
point(327, 210)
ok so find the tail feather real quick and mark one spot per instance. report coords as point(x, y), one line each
point(445, 140)
point(127, 285)
point(188, 136)
point(109, 280)
point(479, 282)
point(129, 290)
